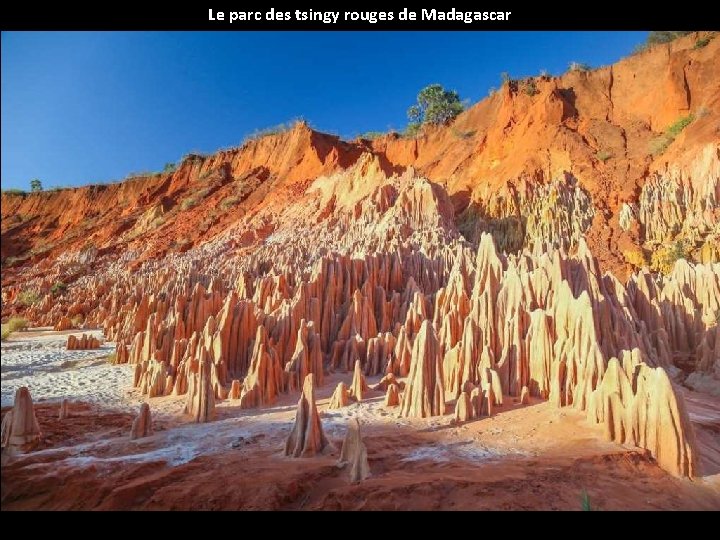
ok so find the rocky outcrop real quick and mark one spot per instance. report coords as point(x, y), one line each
point(387, 381)
point(424, 394)
point(354, 453)
point(463, 409)
point(20, 428)
point(83, 343)
point(525, 396)
point(265, 378)
point(303, 254)
point(307, 358)
point(340, 397)
point(359, 386)
point(200, 402)
point(235, 390)
point(640, 407)
point(307, 437)
point(392, 396)
point(142, 425)
point(64, 323)
point(488, 402)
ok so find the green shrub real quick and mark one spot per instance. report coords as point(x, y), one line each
point(664, 259)
point(170, 167)
point(187, 204)
point(10, 261)
point(675, 129)
point(371, 135)
point(585, 502)
point(58, 288)
point(680, 250)
point(28, 298)
point(436, 106)
point(659, 144)
point(529, 87)
point(700, 43)
point(195, 156)
point(274, 130)
point(579, 66)
point(112, 358)
point(17, 324)
point(14, 191)
point(229, 202)
point(5, 332)
point(77, 320)
point(657, 37)
point(157, 222)
point(35, 185)
point(603, 155)
point(412, 130)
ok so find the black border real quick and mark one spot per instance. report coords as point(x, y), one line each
point(536, 16)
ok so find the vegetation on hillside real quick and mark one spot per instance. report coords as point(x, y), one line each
point(435, 106)
point(28, 298)
point(14, 324)
point(659, 144)
point(658, 37)
point(664, 259)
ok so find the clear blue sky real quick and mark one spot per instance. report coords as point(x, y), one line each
point(80, 107)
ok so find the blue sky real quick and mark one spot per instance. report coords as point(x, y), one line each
point(82, 107)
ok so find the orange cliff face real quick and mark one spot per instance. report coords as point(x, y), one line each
point(169, 211)
point(584, 139)
point(470, 260)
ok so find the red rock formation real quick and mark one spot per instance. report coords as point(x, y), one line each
point(265, 379)
point(354, 453)
point(387, 381)
point(121, 353)
point(463, 408)
point(83, 343)
point(63, 324)
point(424, 393)
point(200, 403)
point(392, 396)
point(142, 425)
point(340, 397)
point(235, 390)
point(306, 438)
point(462, 264)
point(358, 386)
point(20, 428)
point(307, 357)
point(488, 402)
point(651, 416)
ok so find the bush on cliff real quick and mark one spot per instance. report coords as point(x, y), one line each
point(435, 106)
point(28, 298)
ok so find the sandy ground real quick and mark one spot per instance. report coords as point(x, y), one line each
point(524, 457)
point(38, 359)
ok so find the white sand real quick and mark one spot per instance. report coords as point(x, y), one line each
point(39, 361)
